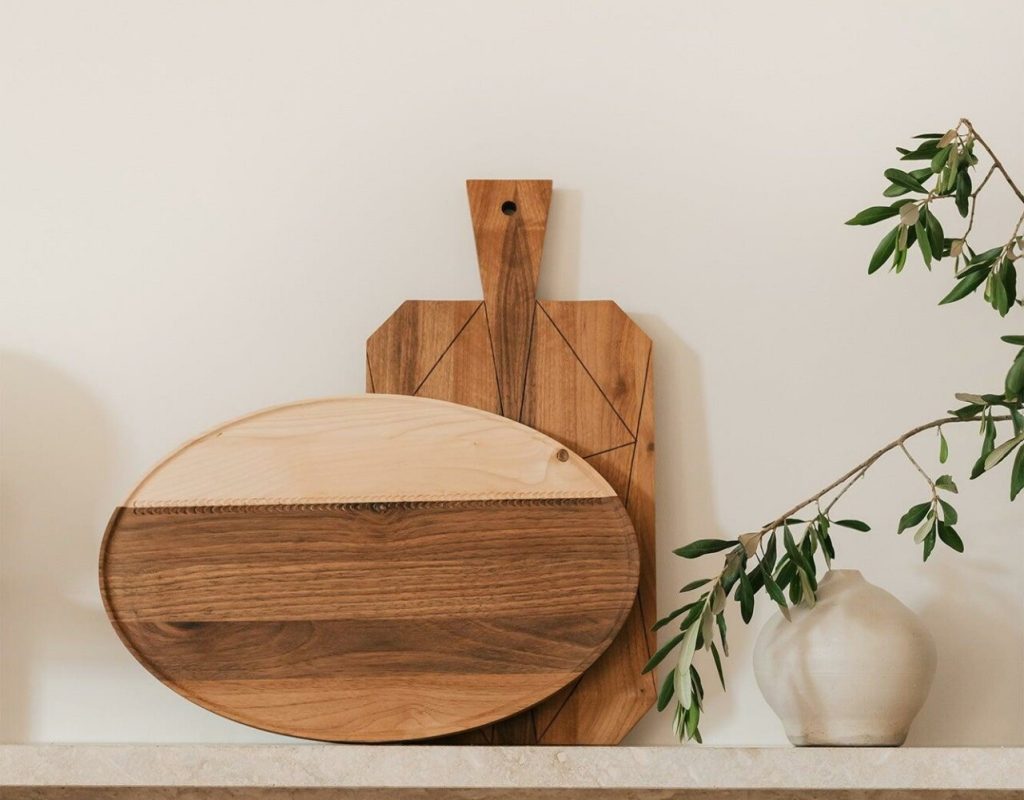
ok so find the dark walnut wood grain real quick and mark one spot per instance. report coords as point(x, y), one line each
point(483, 568)
point(581, 372)
point(370, 622)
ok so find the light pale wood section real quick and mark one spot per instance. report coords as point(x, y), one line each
point(577, 371)
point(367, 448)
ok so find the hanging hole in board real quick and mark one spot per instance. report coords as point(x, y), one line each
point(508, 208)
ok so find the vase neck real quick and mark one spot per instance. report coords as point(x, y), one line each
point(842, 576)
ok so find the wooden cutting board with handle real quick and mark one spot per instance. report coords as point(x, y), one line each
point(579, 372)
point(372, 568)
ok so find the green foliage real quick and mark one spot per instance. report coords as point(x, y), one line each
point(703, 547)
point(753, 561)
point(951, 158)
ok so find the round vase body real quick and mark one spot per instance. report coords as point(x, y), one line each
point(852, 671)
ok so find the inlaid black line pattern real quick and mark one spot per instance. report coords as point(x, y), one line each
point(440, 358)
point(529, 357)
point(610, 449)
point(629, 486)
point(494, 360)
point(643, 399)
point(561, 707)
point(589, 375)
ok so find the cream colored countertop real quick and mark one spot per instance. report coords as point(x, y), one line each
point(633, 771)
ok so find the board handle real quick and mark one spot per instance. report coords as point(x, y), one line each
point(510, 218)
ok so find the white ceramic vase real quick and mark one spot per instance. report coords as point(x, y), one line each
point(852, 671)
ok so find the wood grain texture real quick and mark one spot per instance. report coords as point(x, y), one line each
point(587, 382)
point(366, 448)
point(330, 593)
point(509, 221)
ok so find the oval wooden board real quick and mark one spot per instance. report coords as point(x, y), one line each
point(370, 568)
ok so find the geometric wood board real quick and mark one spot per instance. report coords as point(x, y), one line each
point(369, 569)
point(579, 372)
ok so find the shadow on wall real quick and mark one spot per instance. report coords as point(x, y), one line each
point(685, 511)
point(560, 267)
point(970, 698)
point(55, 458)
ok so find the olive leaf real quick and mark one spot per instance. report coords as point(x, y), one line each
point(929, 540)
point(667, 690)
point(901, 178)
point(703, 547)
point(718, 665)
point(884, 250)
point(923, 241)
point(692, 721)
point(909, 215)
point(913, 516)
point(921, 532)
point(1015, 377)
point(745, 596)
point(966, 285)
point(869, 216)
point(663, 651)
point(775, 593)
point(799, 558)
point(1017, 475)
point(963, 192)
point(926, 152)
point(689, 607)
point(936, 236)
point(950, 537)
point(940, 158)
point(1001, 452)
point(791, 578)
point(683, 684)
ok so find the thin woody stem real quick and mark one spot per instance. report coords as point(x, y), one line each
point(852, 475)
point(984, 180)
point(919, 468)
point(995, 159)
point(846, 488)
point(974, 203)
point(1016, 229)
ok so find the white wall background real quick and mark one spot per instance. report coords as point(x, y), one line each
point(206, 207)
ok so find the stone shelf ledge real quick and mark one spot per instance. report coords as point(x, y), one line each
point(405, 771)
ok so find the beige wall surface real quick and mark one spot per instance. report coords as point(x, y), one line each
point(205, 208)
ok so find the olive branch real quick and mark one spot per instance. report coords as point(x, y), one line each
point(784, 564)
